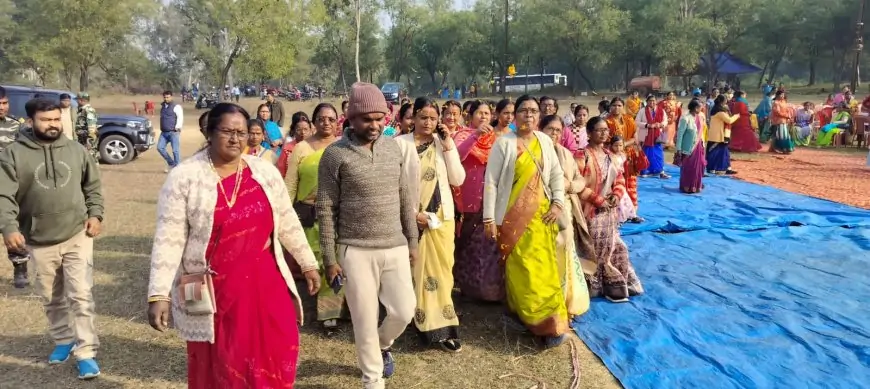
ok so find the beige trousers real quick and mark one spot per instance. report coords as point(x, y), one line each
point(377, 275)
point(64, 278)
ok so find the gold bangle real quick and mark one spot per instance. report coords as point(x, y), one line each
point(154, 299)
point(489, 221)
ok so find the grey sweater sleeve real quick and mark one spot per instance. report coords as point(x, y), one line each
point(92, 187)
point(328, 195)
point(408, 209)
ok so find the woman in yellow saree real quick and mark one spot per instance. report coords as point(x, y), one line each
point(524, 196)
point(301, 180)
point(439, 168)
point(576, 233)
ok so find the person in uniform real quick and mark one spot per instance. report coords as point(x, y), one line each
point(86, 125)
point(9, 127)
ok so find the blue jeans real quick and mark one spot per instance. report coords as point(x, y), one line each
point(173, 138)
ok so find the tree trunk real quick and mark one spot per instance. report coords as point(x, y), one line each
point(356, 55)
point(229, 64)
point(434, 83)
point(626, 78)
point(712, 67)
point(542, 74)
point(814, 51)
point(84, 77)
point(586, 79)
point(506, 47)
point(763, 73)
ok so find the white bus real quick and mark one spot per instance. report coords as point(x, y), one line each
point(519, 82)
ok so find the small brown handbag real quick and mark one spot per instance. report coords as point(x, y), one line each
point(196, 290)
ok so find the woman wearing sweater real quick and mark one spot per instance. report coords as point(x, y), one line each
point(435, 317)
point(575, 237)
point(718, 137)
point(222, 218)
point(690, 148)
point(523, 199)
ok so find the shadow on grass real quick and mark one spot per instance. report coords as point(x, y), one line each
point(140, 245)
point(317, 368)
point(117, 356)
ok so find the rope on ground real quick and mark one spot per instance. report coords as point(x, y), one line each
point(575, 364)
point(540, 384)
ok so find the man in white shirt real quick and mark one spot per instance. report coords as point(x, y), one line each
point(236, 93)
point(67, 116)
point(171, 121)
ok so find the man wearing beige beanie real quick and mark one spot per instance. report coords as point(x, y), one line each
point(365, 206)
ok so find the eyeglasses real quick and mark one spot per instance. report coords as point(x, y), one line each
point(229, 134)
point(326, 119)
point(529, 111)
point(266, 111)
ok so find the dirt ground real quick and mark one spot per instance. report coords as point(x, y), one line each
point(835, 174)
point(133, 355)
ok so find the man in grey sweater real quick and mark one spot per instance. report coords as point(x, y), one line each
point(365, 206)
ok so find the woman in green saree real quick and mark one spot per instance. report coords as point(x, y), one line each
point(301, 180)
point(523, 200)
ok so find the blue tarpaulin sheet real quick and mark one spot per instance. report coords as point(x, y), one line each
point(728, 306)
point(728, 203)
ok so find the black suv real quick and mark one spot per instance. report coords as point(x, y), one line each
point(122, 137)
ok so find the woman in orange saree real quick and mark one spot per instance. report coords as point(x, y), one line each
point(524, 197)
point(623, 125)
point(674, 110)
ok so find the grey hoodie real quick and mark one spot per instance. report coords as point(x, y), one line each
point(47, 191)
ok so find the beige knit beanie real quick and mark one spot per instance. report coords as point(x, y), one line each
point(365, 98)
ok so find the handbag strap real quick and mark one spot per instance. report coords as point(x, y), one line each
point(213, 246)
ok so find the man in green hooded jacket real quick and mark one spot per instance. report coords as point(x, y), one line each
point(52, 207)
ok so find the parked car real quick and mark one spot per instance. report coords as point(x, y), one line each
point(122, 138)
point(393, 91)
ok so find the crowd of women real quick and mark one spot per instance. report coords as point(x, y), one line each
point(514, 205)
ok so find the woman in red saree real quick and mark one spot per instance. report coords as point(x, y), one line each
point(228, 214)
point(743, 137)
point(623, 125)
point(476, 270)
point(606, 264)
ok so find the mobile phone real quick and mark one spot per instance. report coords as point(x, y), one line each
point(336, 284)
point(441, 133)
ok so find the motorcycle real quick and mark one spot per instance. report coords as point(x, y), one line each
point(208, 100)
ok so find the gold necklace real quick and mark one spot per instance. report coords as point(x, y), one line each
point(230, 201)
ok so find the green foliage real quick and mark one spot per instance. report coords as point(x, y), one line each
point(425, 43)
point(258, 36)
point(334, 51)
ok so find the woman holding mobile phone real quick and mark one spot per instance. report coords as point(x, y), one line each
point(430, 148)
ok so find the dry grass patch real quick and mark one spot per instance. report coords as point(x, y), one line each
point(135, 356)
